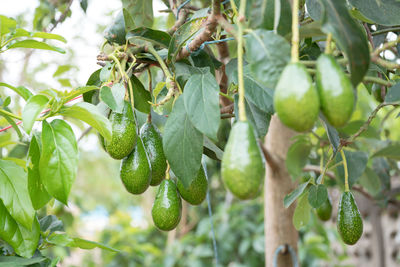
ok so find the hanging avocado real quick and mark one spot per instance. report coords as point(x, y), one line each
point(349, 221)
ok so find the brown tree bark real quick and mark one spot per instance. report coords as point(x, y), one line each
point(279, 229)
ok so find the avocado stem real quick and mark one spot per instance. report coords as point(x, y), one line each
point(167, 176)
point(295, 31)
point(346, 173)
point(240, 21)
point(328, 43)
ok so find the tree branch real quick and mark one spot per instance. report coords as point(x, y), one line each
point(62, 17)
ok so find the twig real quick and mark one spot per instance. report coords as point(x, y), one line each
point(317, 169)
point(62, 17)
point(183, 14)
point(227, 109)
point(84, 133)
point(385, 46)
point(393, 29)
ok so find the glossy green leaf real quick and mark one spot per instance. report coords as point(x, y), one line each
point(91, 115)
point(267, 54)
point(356, 164)
point(301, 214)
point(183, 144)
point(314, 9)
point(62, 239)
point(267, 16)
point(371, 182)
point(393, 94)
point(332, 133)
point(14, 193)
point(47, 35)
point(32, 109)
point(391, 151)
point(201, 95)
point(141, 96)
point(290, 198)
point(23, 240)
point(158, 89)
point(155, 37)
point(6, 24)
point(297, 156)
point(51, 224)
point(15, 261)
point(383, 12)
point(141, 11)
point(62, 69)
point(349, 36)
point(22, 91)
point(92, 97)
point(317, 195)
point(37, 191)
point(115, 32)
point(35, 45)
point(113, 97)
point(59, 159)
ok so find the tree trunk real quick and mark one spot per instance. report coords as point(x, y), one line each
point(279, 229)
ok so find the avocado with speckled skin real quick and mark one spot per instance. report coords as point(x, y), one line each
point(242, 166)
point(135, 170)
point(124, 135)
point(197, 191)
point(167, 207)
point(349, 221)
point(335, 91)
point(153, 144)
point(324, 211)
point(296, 100)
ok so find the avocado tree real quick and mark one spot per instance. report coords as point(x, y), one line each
point(291, 98)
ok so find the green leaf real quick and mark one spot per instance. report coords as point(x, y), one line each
point(23, 240)
point(91, 115)
point(267, 53)
point(201, 95)
point(115, 32)
point(6, 24)
point(14, 193)
point(22, 91)
point(92, 97)
point(268, 16)
point(393, 95)
point(332, 133)
point(141, 96)
point(349, 36)
point(62, 239)
point(155, 37)
point(113, 97)
point(141, 11)
point(62, 69)
point(32, 109)
point(391, 151)
point(356, 164)
point(290, 198)
point(14, 261)
point(217, 153)
point(383, 12)
point(37, 191)
point(52, 36)
point(35, 45)
point(301, 214)
point(297, 156)
point(79, 91)
point(183, 144)
point(158, 89)
point(317, 195)
point(314, 9)
point(59, 159)
point(371, 181)
point(84, 5)
point(129, 22)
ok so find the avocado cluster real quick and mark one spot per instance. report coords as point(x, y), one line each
point(297, 100)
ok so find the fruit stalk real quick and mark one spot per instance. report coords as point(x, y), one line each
point(240, 22)
point(164, 67)
point(328, 43)
point(346, 173)
point(295, 31)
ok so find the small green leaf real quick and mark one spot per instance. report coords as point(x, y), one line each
point(183, 144)
point(62, 239)
point(35, 45)
point(290, 198)
point(22, 91)
point(382, 12)
point(391, 151)
point(201, 95)
point(158, 89)
point(59, 159)
point(155, 37)
point(393, 95)
point(301, 214)
point(91, 115)
point(297, 156)
point(317, 195)
point(14, 193)
point(79, 91)
point(113, 97)
point(13, 261)
point(62, 69)
point(6, 24)
point(51, 223)
point(332, 133)
point(32, 109)
point(141, 96)
point(46, 35)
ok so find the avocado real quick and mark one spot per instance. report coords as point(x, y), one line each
point(167, 207)
point(242, 166)
point(197, 191)
point(153, 144)
point(135, 170)
point(123, 133)
point(349, 221)
point(296, 100)
point(377, 92)
point(335, 91)
point(325, 210)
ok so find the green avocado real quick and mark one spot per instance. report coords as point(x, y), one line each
point(242, 166)
point(135, 170)
point(123, 133)
point(296, 100)
point(197, 190)
point(325, 210)
point(349, 221)
point(167, 207)
point(335, 91)
point(153, 144)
